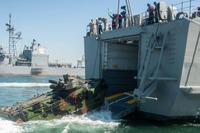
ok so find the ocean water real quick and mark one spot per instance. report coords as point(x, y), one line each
point(18, 89)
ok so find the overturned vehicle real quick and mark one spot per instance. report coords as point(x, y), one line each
point(72, 95)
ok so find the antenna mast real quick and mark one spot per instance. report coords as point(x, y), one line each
point(118, 6)
point(130, 16)
point(12, 40)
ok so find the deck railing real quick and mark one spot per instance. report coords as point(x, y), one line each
point(188, 8)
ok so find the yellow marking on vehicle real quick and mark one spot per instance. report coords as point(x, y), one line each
point(132, 101)
point(114, 96)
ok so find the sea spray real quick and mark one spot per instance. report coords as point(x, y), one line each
point(9, 127)
point(19, 85)
point(93, 122)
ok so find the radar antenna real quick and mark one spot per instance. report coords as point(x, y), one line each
point(12, 40)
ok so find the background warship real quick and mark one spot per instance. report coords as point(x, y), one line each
point(33, 60)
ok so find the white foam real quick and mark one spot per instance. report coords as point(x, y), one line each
point(9, 127)
point(92, 121)
point(6, 84)
point(66, 129)
point(192, 125)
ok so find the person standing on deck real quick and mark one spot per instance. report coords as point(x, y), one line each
point(105, 24)
point(99, 25)
point(114, 21)
point(123, 13)
point(95, 27)
point(119, 19)
point(151, 10)
point(109, 27)
point(91, 26)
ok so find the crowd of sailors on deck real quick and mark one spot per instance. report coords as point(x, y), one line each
point(156, 13)
point(121, 20)
point(99, 25)
point(160, 12)
point(96, 27)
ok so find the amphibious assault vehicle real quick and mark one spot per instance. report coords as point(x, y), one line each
point(72, 95)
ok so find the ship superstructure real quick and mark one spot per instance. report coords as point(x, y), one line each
point(150, 68)
point(2, 54)
point(34, 59)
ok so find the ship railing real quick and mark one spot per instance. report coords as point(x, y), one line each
point(185, 6)
point(188, 8)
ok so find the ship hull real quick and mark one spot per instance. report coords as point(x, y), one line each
point(166, 67)
point(45, 71)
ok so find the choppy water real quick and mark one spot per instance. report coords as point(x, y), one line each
point(96, 122)
point(13, 89)
point(20, 88)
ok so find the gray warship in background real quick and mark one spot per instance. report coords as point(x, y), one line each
point(33, 60)
point(2, 54)
point(150, 69)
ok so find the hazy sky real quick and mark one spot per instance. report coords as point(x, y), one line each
point(59, 25)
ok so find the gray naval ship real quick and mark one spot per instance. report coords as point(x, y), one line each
point(33, 60)
point(150, 62)
point(2, 54)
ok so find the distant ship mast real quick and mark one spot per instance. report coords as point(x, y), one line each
point(12, 41)
point(81, 63)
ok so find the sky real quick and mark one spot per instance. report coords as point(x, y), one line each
point(58, 25)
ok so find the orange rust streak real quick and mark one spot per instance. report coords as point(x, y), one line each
point(132, 101)
point(114, 96)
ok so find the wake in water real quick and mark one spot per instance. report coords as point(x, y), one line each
point(96, 122)
point(93, 122)
point(7, 84)
point(9, 127)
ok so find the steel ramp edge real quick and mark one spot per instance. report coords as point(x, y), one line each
point(120, 110)
point(123, 108)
